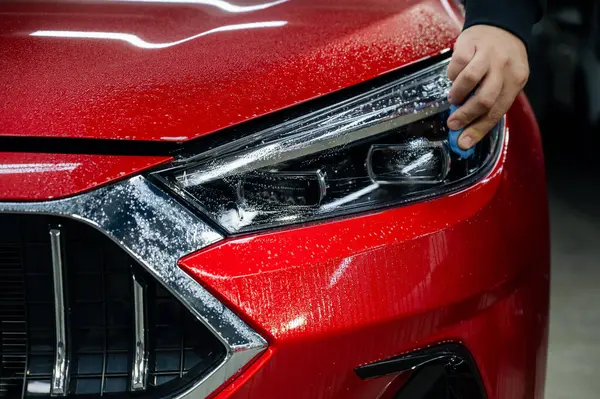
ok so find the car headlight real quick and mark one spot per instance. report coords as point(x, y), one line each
point(383, 148)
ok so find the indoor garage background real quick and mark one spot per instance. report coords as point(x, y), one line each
point(565, 91)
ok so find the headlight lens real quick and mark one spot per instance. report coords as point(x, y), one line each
point(383, 148)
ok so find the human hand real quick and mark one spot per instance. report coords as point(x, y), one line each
point(494, 60)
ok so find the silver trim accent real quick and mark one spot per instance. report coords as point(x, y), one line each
point(322, 184)
point(254, 159)
point(157, 231)
point(139, 371)
point(60, 371)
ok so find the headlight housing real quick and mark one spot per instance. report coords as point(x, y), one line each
point(383, 148)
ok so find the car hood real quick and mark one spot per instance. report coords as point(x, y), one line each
point(169, 70)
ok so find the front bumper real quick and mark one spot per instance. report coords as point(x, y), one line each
point(471, 268)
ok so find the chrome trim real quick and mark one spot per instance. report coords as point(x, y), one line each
point(255, 159)
point(60, 371)
point(139, 370)
point(157, 231)
point(322, 184)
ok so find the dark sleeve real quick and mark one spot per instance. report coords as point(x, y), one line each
point(515, 16)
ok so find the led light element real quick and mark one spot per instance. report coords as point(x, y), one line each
point(288, 189)
point(383, 148)
point(417, 162)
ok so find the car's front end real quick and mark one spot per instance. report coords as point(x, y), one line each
point(331, 246)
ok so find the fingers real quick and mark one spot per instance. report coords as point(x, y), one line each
point(469, 78)
point(463, 54)
point(481, 103)
point(493, 60)
point(477, 130)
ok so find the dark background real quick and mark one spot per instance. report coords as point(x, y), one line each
point(564, 89)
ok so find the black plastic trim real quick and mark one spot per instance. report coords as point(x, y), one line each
point(58, 145)
point(428, 365)
point(441, 354)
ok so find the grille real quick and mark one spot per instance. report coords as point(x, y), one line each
point(119, 321)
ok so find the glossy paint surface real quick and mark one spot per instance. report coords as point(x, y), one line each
point(471, 267)
point(174, 70)
point(37, 177)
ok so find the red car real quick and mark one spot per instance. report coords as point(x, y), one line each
point(258, 200)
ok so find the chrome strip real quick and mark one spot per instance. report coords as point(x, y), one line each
point(139, 369)
point(157, 231)
point(61, 362)
point(255, 159)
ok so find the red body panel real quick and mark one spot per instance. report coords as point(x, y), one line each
point(133, 80)
point(471, 267)
point(36, 177)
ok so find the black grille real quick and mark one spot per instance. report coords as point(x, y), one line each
point(100, 313)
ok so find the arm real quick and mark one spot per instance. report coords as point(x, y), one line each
point(490, 57)
point(514, 16)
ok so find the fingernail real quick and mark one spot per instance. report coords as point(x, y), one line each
point(454, 124)
point(465, 142)
point(450, 98)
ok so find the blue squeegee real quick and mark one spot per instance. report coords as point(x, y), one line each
point(453, 139)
